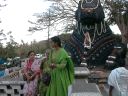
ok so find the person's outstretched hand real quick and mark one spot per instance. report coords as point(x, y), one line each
point(52, 66)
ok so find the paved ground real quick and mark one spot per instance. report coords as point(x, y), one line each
point(100, 72)
point(83, 85)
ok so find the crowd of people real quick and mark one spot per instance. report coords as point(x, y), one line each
point(52, 76)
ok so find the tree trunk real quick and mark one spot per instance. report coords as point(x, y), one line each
point(123, 26)
point(120, 18)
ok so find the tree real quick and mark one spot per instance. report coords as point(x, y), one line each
point(2, 35)
point(118, 14)
point(11, 46)
point(63, 13)
point(38, 47)
point(58, 18)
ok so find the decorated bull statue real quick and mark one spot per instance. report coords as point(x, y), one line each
point(92, 39)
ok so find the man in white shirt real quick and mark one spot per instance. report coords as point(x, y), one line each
point(118, 78)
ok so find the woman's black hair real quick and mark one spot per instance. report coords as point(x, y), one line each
point(30, 53)
point(121, 54)
point(56, 40)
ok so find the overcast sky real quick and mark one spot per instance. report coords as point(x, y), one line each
point(15, 18)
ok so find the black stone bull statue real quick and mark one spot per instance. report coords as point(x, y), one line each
point(92, 40)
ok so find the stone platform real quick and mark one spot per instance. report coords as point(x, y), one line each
point(12, 85)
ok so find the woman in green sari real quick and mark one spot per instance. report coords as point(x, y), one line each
point(61, 70)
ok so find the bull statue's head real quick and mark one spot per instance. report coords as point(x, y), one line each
point(89, 12)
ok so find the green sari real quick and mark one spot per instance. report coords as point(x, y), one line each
point(62, 76)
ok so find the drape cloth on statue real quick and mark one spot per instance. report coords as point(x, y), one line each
point(87, 40)
point(118, 78)
point(62, 76)
point(31, 86)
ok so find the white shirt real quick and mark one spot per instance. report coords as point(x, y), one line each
point(118, 78)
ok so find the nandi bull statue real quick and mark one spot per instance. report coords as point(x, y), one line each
point(92, 39)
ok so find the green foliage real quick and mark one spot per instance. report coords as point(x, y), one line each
point(117, 10)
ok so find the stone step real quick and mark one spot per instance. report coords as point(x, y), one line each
point(82, 88)
point(81, 72)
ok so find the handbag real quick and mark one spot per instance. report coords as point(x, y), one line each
point(30, 72)
point(24, 77)
point(46, 78)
